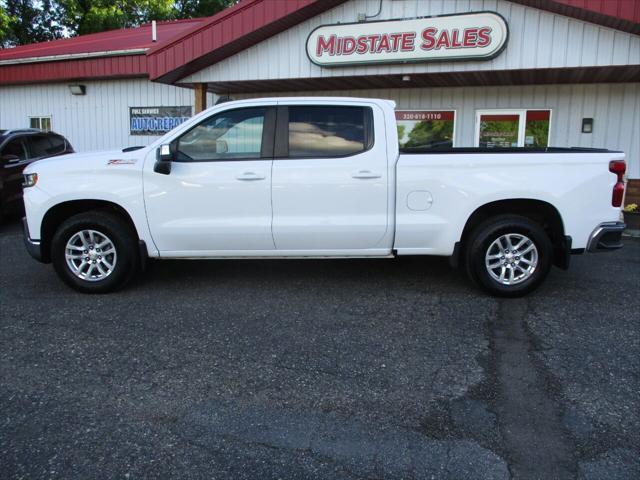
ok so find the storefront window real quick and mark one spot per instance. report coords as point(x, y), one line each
point(512, 128)
point(425, 128)
point(536, 133)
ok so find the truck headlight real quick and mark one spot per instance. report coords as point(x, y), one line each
point(29, 179)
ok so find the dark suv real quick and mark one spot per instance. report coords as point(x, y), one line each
point(18, 148)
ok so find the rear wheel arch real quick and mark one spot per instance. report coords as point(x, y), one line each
point(57, 214)
point(539, 211)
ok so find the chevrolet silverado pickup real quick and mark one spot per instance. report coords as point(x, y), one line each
point(319, 178)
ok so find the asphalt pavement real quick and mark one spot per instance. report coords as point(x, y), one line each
point(297, 369)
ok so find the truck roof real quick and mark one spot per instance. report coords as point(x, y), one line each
point(304, 99)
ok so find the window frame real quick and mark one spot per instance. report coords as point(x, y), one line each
point(522, 113)
point(40, 118)
point(281, 151)
point(267, 141)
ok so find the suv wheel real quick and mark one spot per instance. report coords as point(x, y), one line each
point(95, 252)
point(508, 255)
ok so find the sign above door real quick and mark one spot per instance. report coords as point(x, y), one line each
point(469, 36)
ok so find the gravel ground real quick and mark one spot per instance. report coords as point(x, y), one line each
point(319, 369)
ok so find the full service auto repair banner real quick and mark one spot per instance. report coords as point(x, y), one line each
point(156, 120)
point(477, 36)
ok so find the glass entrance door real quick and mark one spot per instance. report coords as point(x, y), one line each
point(499, 129)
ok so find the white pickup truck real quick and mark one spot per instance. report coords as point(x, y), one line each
point(319, 178)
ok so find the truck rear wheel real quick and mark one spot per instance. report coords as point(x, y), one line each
point(95, 252)
point(508, 255)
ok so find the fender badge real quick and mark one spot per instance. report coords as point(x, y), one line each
point(121, 162)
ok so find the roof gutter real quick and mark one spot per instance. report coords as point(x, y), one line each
point(74, 56)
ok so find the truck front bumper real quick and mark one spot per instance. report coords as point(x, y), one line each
point(33, 246)
point(606, 236)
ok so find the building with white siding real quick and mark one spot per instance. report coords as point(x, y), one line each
point(110, 70)
point(555, 72)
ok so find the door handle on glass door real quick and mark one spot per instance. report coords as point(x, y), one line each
point(364, 174)
point(250, 176)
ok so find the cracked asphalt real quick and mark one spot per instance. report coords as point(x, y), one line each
point(358, 369)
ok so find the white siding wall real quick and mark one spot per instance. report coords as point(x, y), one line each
point(96, 121)
point(537, 39)
point(615, 109)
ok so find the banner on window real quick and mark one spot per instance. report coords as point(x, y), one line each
point(156, 120)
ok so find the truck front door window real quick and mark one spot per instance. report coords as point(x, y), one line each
point(231, 135)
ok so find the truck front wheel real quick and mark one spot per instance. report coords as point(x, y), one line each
point(95, 252)
point(508, 255)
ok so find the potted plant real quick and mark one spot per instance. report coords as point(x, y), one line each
point(632, 216)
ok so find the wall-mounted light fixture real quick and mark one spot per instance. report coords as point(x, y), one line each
point(587, 125)
point(78, 89)
point(406, 78)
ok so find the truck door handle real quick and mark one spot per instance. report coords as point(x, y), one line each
point(250, 176)
point(364, 174)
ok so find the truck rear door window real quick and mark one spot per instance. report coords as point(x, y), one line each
point(329, 131)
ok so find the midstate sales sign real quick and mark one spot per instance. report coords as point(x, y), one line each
point(478, 36)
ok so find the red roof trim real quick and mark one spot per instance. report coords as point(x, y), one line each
point(37, 66)
point(230, 31)
point(94, 68)
point(122, 39)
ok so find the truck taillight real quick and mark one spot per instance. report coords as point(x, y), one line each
point(618, 167)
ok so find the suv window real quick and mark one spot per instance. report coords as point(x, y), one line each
point(58, 144)
point(329, 131)
point(15, 147)
point(230, 135)
point(39, 146)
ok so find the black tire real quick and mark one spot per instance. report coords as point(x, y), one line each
point(123, 238)
point(482, 238)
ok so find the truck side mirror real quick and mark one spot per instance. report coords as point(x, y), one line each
point(164, 156)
